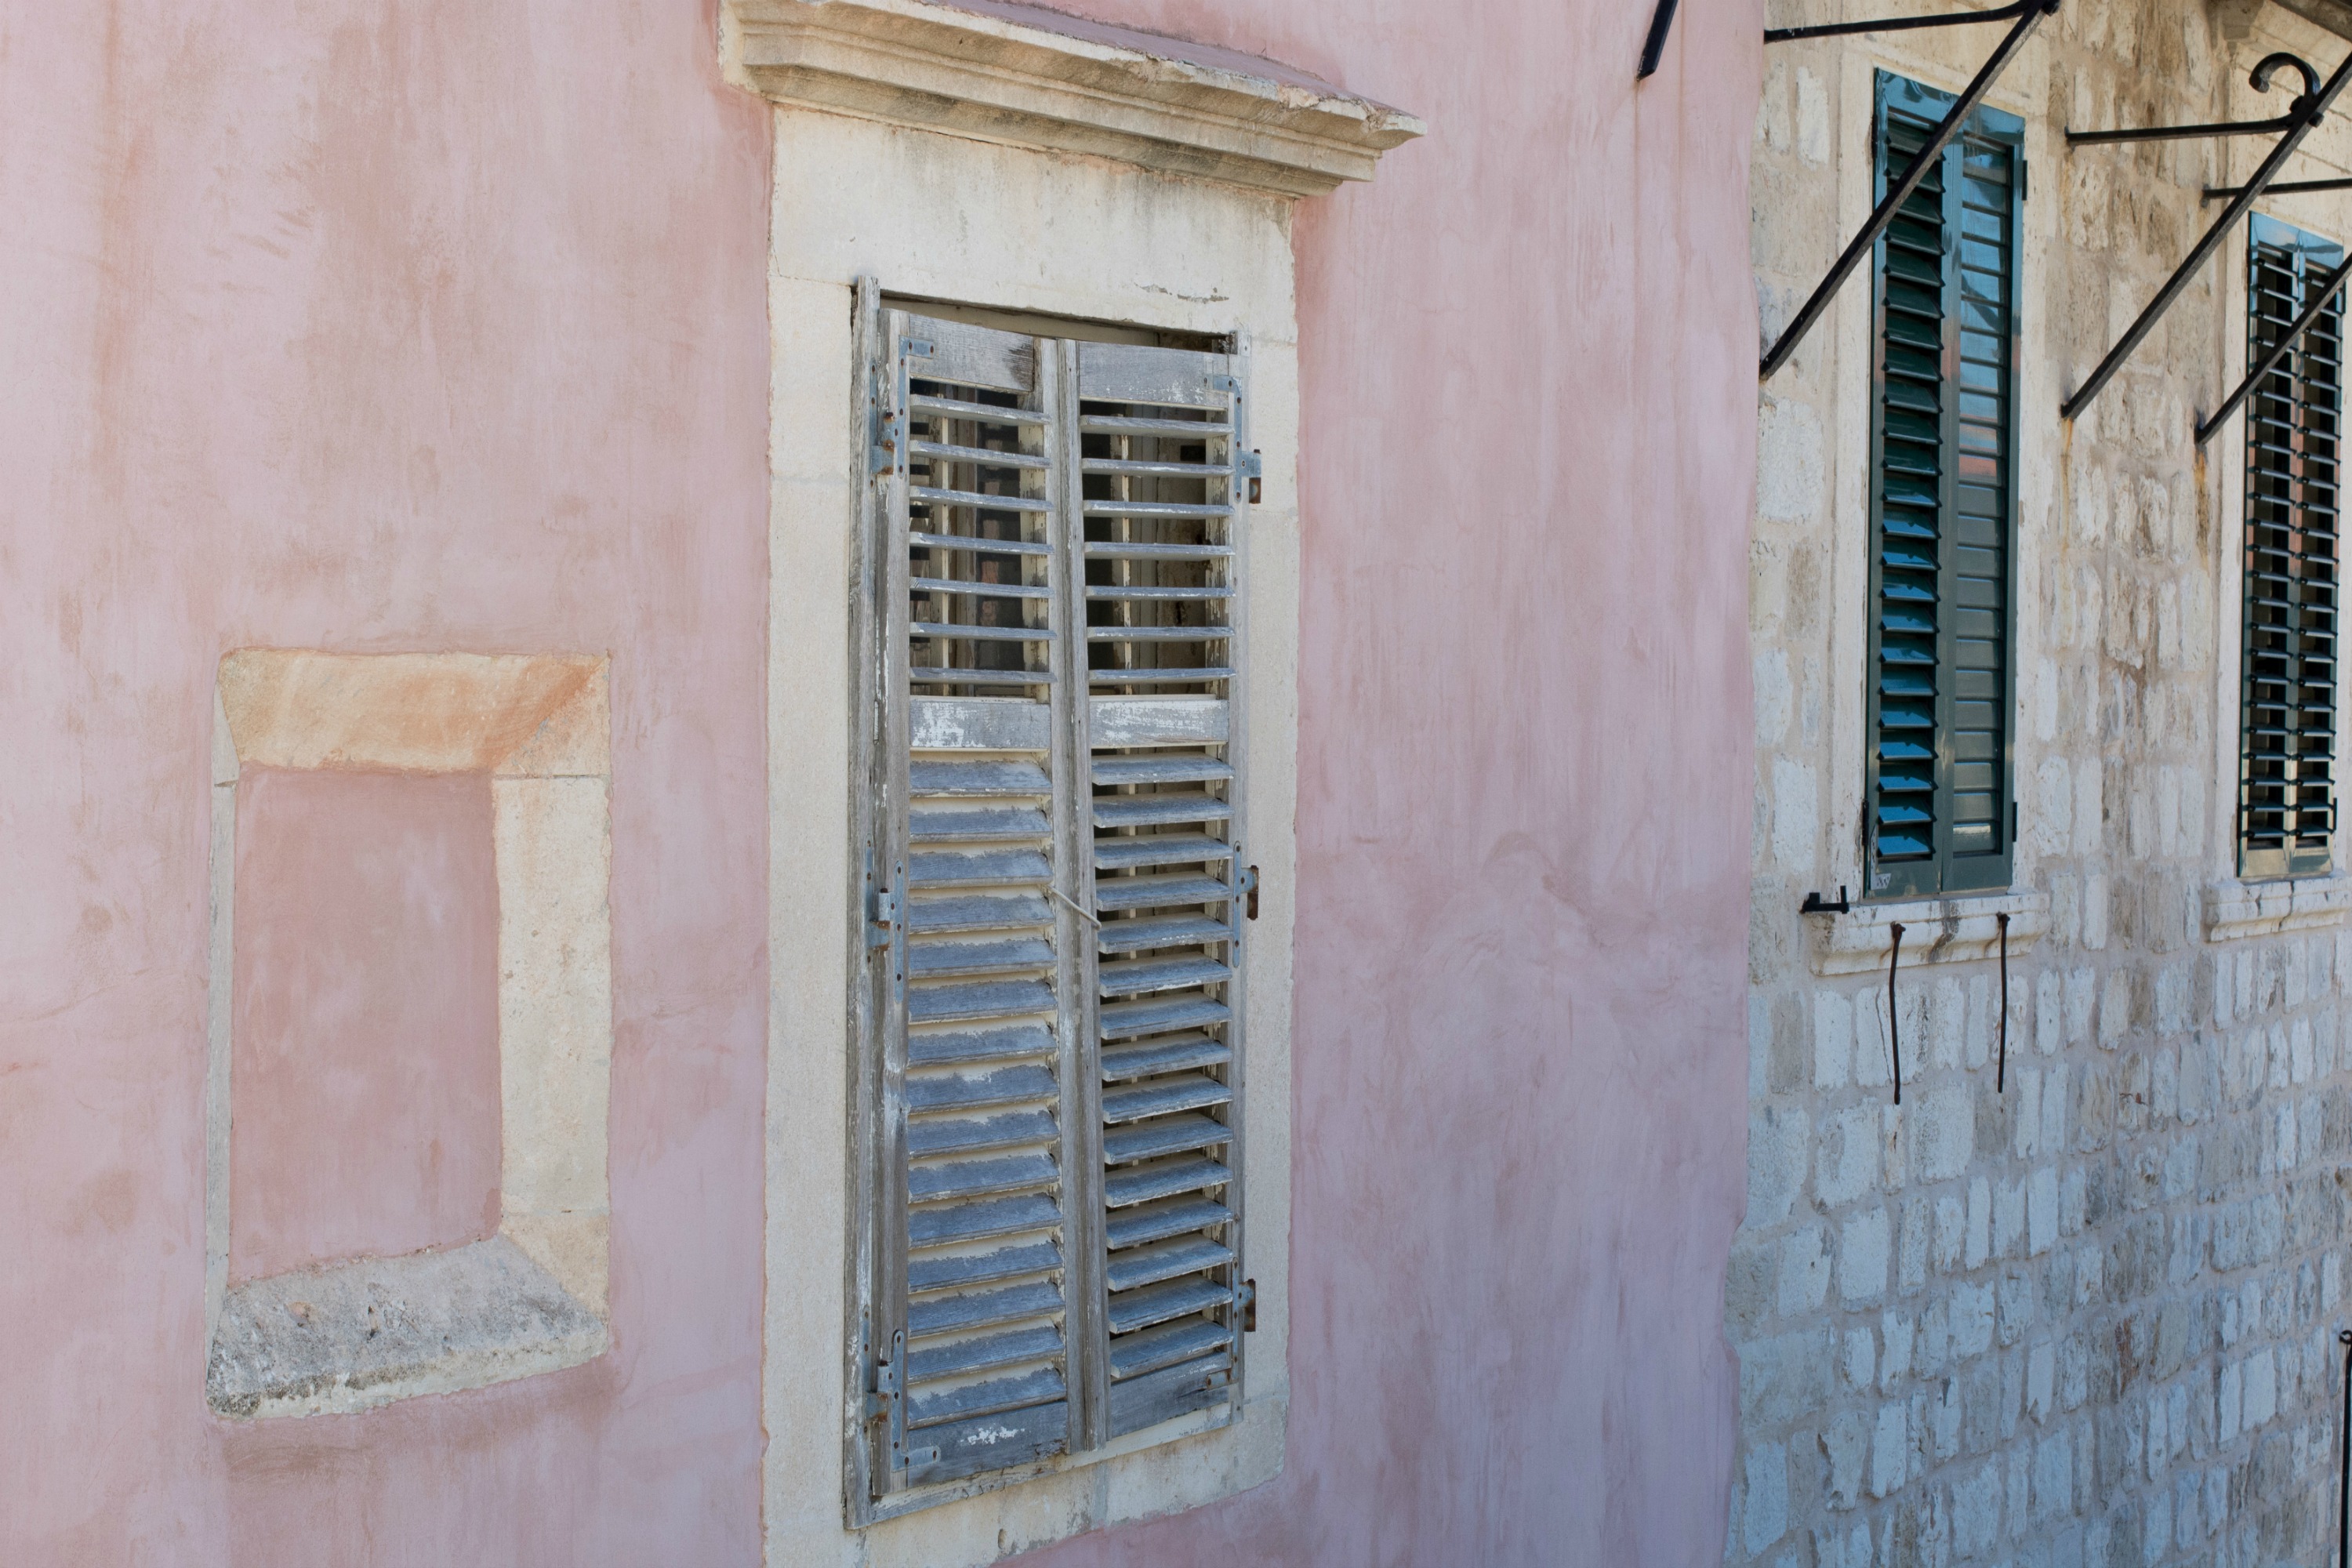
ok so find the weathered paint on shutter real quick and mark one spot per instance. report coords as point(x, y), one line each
point(973, 971)
point(1155, 560)
point(2286, 789)
point(1943, 505)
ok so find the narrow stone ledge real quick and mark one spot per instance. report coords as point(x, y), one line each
point(1960, 930)
point(2234, 910)
point(352, 1336)
point(1025, 75)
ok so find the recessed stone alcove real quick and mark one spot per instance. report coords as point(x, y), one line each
point(410, 1048)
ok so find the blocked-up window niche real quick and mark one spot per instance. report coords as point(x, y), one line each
point(411, 1026)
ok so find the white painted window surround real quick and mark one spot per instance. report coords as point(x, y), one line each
point(1012, 161)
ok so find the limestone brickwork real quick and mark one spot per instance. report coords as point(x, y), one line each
point(2088, 1320)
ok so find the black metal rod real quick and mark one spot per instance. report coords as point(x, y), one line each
point(2182, 133)
point(2073, 407)
point(2282, 188)
point(2344, 1441)
point(1895, 24)
point(2000, 1074)
point(2321, 298)
point(2030, 13)
point(1654, 48)
point(1894, 1018)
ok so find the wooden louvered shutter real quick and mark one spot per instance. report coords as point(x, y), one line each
point(1156, 553)
point(2286, 789)
point(1051, 1239)
point(973, 970)
point(1943, 504)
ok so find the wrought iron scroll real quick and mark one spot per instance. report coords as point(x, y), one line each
point(2299, 121)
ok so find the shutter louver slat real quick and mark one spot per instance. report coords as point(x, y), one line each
point(976, 1278)
point(1156, 556)
point(2287, 723)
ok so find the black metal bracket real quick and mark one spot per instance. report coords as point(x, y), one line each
point(2321, 297)
point(2278, 188)
point(2028, 14)
point(1815, 904)
point(1654, 48)
point(2299, 122)
point(2298, 113)
point(1896, 24)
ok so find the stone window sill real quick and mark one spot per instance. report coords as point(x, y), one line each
point(2235, 908)
point(352, 1336)
point(1960, 930)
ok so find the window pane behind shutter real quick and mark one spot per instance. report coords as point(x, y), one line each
point(2287, 726)
point(976, 986)
point(1155, 556)
point(1976, 590)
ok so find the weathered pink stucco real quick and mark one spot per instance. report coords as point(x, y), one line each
point(366, 1018)
point(427, 325)
point(437, 324)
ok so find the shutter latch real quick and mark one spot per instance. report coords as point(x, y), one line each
point(882, 917)
point(1245, 1304)
point(1248, 890)
point(1252, 467)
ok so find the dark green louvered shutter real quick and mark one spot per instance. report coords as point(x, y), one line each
point(1943, 503)
point(2286, 780)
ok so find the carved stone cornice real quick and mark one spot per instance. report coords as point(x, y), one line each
point(1026, 77)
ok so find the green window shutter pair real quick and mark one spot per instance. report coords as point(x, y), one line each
point(1046, 1243)
point(2286, 780)
point(1941, 671)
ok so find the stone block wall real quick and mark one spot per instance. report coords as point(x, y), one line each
point(2089, 1320)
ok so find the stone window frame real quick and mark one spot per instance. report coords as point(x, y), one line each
point(1960, 927)
point(2233, 904)
point(2234, 907)
point(1003, 158)
point(350, 1335)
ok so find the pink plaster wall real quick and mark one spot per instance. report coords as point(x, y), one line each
point(415, 325)
point(366, 1018)
point(1528, 353)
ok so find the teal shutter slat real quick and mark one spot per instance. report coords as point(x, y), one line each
point(1943, 504)
point(2286, 786)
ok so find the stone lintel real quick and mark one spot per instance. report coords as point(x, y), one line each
point(1024, 76)
point(2234, 908)
point(1963, 928)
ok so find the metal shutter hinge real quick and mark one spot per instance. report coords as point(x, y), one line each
point(1226, 384)
point(1253, 468)
point(885, 1401)
point(889, 441)
point(1245, 1299)
point(916, 348)
point(1249, 894)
